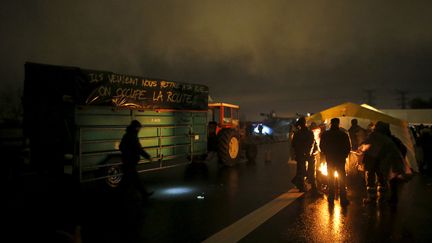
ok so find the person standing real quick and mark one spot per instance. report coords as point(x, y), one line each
point(389, 166)
point(425, 143)
point(357, 134)
point(335, 145)
point(131, 150)
point(260, 129)
point(303, 143)
point(369, 128)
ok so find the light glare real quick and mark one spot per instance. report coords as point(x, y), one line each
point(177, 190)
point(266, 130)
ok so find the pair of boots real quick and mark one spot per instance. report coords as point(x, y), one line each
point(375, 195)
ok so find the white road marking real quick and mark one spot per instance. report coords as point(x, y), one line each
point(248, 223)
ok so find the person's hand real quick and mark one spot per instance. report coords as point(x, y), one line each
point(363, 148)
point(357, 152)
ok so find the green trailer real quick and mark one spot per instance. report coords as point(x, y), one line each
point(75, 118)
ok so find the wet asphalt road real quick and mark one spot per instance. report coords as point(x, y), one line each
point(193, 202)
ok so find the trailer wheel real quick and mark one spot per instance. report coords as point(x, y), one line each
point(114, 176)
point(228, 147)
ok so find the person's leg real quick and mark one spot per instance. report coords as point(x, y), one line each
point(382, 181)
point(126, 177)
point(311, 171)
point(382, 184)
point(300, 172)
point(342, 182)
point(331, 181)
point(370, 177)
point(394, 187)
point(137, 183)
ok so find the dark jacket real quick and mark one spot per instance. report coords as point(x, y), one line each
point(402, 148)
point(303, 142)
point(335, 145)
point(383, 153)
point(131, 148)
point(357, 135)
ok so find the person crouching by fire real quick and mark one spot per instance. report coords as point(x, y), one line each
point(335, 145)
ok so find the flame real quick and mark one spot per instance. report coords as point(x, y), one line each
point(317, 134)
point(323, 169)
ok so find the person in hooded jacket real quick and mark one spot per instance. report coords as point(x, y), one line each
point(131, 150)
point(397, 174)
point(335, 145)
point(382, 159)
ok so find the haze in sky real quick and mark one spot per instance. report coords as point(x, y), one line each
point(287, 56)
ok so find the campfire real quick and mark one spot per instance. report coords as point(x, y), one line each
point(323, 169)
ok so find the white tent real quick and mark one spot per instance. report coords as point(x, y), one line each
point(366, 114)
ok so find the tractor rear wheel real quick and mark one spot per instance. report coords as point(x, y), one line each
point(228, 147)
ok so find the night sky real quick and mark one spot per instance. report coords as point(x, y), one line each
point(289, 56)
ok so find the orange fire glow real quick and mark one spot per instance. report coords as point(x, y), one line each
point(323, 169)
point(317, 133)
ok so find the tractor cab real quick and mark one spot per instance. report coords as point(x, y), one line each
point(222, 116)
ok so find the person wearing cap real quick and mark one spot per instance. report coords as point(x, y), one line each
point(335, 145)
point(131, 150)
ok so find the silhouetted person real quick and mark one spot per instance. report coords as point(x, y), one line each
point(311, 169)
point(357, 134)
point(381, 158)
point(303, 145)
point(425, 142)
point(131, 150)
point(260, 128)
point(249, 129)
point(396, 165)
point(369, 128)
point(335, 145)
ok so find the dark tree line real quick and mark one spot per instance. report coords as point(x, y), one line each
point(419, 103)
